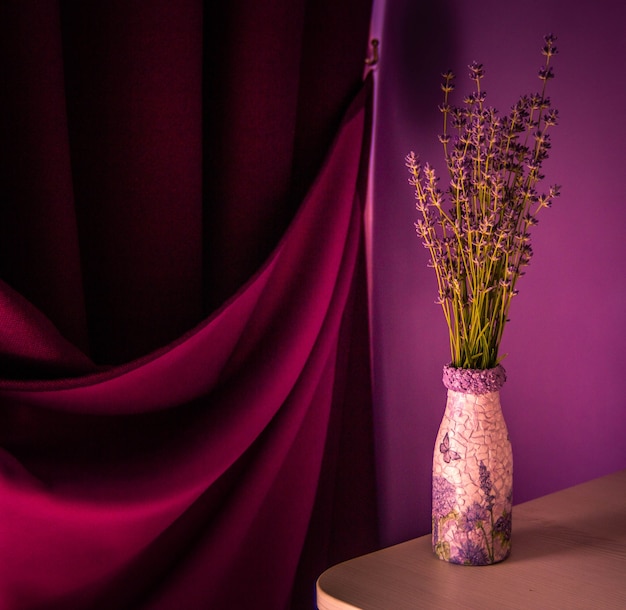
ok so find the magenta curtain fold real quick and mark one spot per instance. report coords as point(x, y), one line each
point(171, 437)
point(166, 482)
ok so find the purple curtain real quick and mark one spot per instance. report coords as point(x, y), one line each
point(185, 405)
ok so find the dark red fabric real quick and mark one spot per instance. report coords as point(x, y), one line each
point(171, 438)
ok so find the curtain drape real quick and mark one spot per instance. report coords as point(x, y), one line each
point(185, 405)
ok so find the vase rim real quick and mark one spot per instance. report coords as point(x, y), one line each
point(474, 381)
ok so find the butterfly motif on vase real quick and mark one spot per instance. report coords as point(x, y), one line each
point(448, 454)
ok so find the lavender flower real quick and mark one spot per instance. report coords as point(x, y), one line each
point(477, 230)
point(476, 71)
point(443, 497)
point(485, 484)
point(546, 73)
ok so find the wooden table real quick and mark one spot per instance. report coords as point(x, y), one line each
point(569, 551)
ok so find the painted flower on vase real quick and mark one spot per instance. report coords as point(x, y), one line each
point(502, 527)
point(486, 485)
point(473, 518)
point(443, 497)
point(442, 513)
point(470, 553)
point(478, 535)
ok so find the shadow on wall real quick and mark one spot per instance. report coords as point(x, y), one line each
point(419, 42)
point(422, 39)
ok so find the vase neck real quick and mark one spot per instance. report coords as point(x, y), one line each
point(474, 381)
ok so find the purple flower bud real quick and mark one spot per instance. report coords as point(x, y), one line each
point(549, 49)
point(476, 71)
point(552, 117)
point(546, 73)
point(530, 220)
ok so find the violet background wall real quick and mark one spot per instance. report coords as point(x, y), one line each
point(564, 398)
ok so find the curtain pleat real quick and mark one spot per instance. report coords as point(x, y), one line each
point(104, 475)
point(39, 244)
point(154, 454)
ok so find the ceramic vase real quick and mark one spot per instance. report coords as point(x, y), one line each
point(472, 471)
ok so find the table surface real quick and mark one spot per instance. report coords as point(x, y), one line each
point(569, 552)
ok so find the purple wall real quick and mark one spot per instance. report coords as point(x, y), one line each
point(563, 400)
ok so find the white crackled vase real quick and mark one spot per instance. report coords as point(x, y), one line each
point(472, 471)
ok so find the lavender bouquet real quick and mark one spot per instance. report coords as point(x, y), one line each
point(477, 231)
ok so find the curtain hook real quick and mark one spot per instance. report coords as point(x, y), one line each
point(373, 59)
